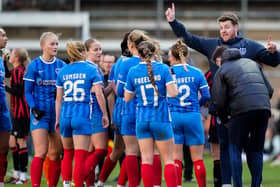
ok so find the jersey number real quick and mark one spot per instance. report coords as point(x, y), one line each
point(143, 93)
point(78, 94)
point(185, 90)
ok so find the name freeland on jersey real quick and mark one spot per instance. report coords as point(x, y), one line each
point(143, 80)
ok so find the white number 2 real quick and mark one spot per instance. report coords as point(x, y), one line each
point(78, 93)
point(186, 94)
point(143, 94)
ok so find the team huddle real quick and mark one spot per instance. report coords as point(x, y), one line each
point(155, 110)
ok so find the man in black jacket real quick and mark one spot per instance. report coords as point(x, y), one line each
point(242, 102)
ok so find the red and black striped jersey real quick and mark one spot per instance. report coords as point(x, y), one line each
point(208, 76)
point(19, 107)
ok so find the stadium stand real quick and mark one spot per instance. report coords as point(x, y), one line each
point(107, 20)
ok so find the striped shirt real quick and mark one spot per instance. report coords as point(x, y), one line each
point(19, 107)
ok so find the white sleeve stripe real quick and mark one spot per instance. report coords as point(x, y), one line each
point(26, 79)
point(170, 82)
point(128, 90)
point(203, 86)
point(121, 82)
point(99, 82)
point(59, 86)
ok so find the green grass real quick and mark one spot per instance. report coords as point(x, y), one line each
point(271, 176)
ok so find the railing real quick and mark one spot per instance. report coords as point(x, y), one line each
point(47, 19)
point(82, 20)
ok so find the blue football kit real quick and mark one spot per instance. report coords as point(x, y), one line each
point(76, 80)
point(40, 90)
point(152, 116)
point(5, 120)
point(117, 112)
point(128, 121)
point(185, 108)
point(97, 113)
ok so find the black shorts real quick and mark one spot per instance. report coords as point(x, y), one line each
point(21, 127)
point(213, 131)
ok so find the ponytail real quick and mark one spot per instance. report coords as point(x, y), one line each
point(180, 51)
point(146, 50)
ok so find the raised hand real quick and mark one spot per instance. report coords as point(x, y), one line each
point(170, 13)
point(271, 46)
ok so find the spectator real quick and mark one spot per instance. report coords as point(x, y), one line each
point(242, 102)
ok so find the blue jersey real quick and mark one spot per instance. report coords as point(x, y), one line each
point(2, 86)
point(111, 75)
point(95, 106)
point(117, 113)
point(40, 81)
point(117, 67)
point(5, 121)
point(190, 81)
point(76, 79)
point(130, 107)
point(151, 106)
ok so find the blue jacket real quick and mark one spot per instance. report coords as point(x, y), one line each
point(248, 48)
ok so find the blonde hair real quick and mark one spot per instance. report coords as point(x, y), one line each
point(23, 56)
point(137, 36)
point(45, 35)
point(75, 50)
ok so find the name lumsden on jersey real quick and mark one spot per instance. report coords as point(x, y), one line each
point(74, 76)
point(143, 80)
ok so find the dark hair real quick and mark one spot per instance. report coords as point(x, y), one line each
point(218, 52)
point(146, 50)
point(229, 16)
point(124, 48)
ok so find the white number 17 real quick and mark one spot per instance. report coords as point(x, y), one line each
point(143, 94)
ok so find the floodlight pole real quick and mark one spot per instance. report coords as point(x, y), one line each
point(160, 6)
point(244, 15)
point(77, 8)
point(1, 5)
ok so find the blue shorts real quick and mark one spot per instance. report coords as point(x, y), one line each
point(117, 114)
point(46, 122)
point(5, 119)
point(70, 126)
point(187, 128)
point(97, 124)
point(155, 130)
point(128, 126)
